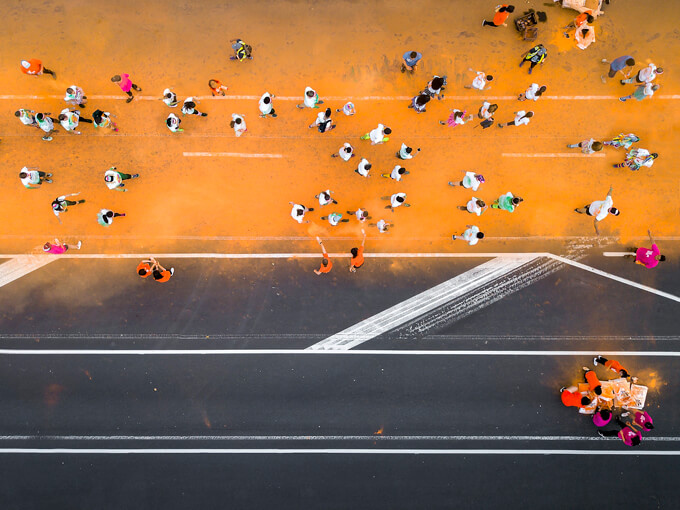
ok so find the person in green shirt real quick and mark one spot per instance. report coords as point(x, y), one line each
point(507, 202)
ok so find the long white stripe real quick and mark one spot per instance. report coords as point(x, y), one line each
point(21, 265)
point(617, 253)
point(283, 255)
point(230, 155)
point(420, 304)
point(550, 155)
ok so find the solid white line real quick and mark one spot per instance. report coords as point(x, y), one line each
point(616, 253)
point(550, 155)
point(280, 255)
point(230, 155)
point(326, 451)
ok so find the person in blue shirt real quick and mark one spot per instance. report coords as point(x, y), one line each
point(411, 59)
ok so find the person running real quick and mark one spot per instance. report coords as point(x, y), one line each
point(623, 65)
point(378, 135)
point(641, 92)
point(501, 16)
point(480, 80)
point(242, 51)
point(325, 198)
point(648, 257)
point(410, 61)
point(170, 98)
point(346, 152)
point(623, 140)
point(522, 118)
point(105, 217)
point(34, 67)
point(396, 173)
point(589, 146)
point(326, 262)
point(298, 212)
point(572, 398)
point(189, 107)
point(160, 274)
point(173, 122)
point(27, 117)
point(507, 202)
point(238, 123)
point(472, 235)
point(406, 152)
point(334, 219)
point(419, 103)
point(485, 113)
point(310, 99)
point(471, 181)
point(102, 119)
point(114, 179)
point(594, 384)
point(144, 267)
point(457, 118)
point(126, 85)
point(32, 178)
point(382, 225)
point(600, 209)
point(266, 106)
point(645, 75)
point(75, 96)
point(61, 204)
point(323, 121)
point(435, 87)
point(357, 259)
point(69, 120)
point(611, 364)
point(627, 434)
point(58, 248)
point(532, 93)
point(396, 200)
point(602, 417)
point(217, 88)
point(641, 419)
point(534, 56)
point(584, 36)
point(348, 109)
point(361, 214)
point(637, 158)
point(46, 123)
point(474, 206)
point(363, 168)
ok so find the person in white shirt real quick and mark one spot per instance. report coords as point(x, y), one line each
point(363, 168)
point(323, 121)
point(480, 81)
point(266, 105)
point(361, 214)
point(27, 117)
point(334, 219)
point(75, 96)
point(472, 235)
point(644, 75)
point(585, 36)
point(173, 122)
point(456, 118)
point(471, 181)
point(170, 98)
point(298, 212)
point(600, 209)
point(114, 179)
point(346, 152)
point(406, 152)
point(238, 123)
point(396, 173)
point(348, 109)
point(521, 118)
point(378, 135)
point(32, 178)
point(486, 112)
point(61, 204)
point(310, 98)
point(642, 92)
point(396, 200)
point(419, 103)
point(637, 158)
point(325, 198)
point(590, 146)
point(189, 107)
point(69, 120)
point(105, 217)
point(474, 206)
point(46, 123)
point(382, 225)
point(532, 93)
point(435, 87)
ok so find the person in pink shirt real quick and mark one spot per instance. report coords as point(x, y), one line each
point(627, 434)
point(641, 419)
point(125, 84)
point(602, 417)
point(58, 248)
point(648, 257)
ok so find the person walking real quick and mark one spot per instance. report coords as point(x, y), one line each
point(471, 181)
point(456, 118)
point(160, 274)
point(406, 152)
point(572, 398)
point(27, 117)
point(334, 219)
point(46, 123)
point(623, 140)
point(472, 235)
point(189, 107)
point(534, 56)
point(75, 96)
point(61, 204)
point(323, 121)
point(600, 209)
point(637, 158)
point(623, 65)
point(345, 153)
point(533, 93)
point(522, 118)
point(266, 106)
point(485, 113)
point(363, 168)
point(34, 67)
point(613, 365)
point(645, 75)
point(357, 259)
point(298, 212)
point(126, 85)
point(410, 61)
point(474, 206)
point(501, 16)
point(641, 92)
point(326, 262)
point(144, 267)
point(348, 109)
point(238, 123)
point(396, 173)
point(32, 178)
point(170, 98)
point(396, 200)
point(648, 257)
point(242, 51)
point(435, 87)
point(58, 248)
point(310, 99)
point(325, 198)
point(173, 122)
point(105, 217)
point(102, 119)
point(378, 135)
point(419, 103)
point(589, 146)
point(114, 179)
point(217, 88)
point(507, 202)
point(627, 434)
point(382, 225)
point(361, 215)
point(69, 120)
point(480, 80)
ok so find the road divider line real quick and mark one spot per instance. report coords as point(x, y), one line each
point(550, 155)
point(230, 155)
point(617, 253)
point(279, 255)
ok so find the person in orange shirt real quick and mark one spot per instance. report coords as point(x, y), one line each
point(501, 16)
point(357, 255)
point(144, 268)
point(326, 263)
point(160, 274)
point(572, 398)
point(578, 21)
point(217, 88)
point(35, 67)
point(593, 382)
point(613, 365)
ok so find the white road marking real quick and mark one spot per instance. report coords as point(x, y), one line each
point(334, 238)
point(420, 304)
point(617, 253)
point(285, 255)
point(551, 155)
point(21, 265)
point(230, 155)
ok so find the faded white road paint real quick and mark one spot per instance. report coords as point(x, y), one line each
point(21, 265)
point(230, 155)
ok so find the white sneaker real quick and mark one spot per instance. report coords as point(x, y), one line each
point(80, 243)
point(172, 271)
point(595, 361)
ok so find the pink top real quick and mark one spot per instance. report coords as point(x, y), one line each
point(642, 418)
point(125, 83)
point(645, 256)
point(599, 421)
point(57, 249)
point(627, 434)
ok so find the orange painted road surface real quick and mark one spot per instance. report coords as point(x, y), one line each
point(345, 50)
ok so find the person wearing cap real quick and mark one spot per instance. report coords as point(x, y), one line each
point(357, 259)
point(27, 117)
point(378, 135)
point(471, 181)
point(628, 434)
point(144, 267)
point(58, 248)
point(105, 217)
point(326, 262)
point(61, 204)
point(472, 235)
point(396, 200)
point(114, 179)
point(325, 198)
point(32, 178)
point(170, 98)
point(46, 123)
point(345, 153)
point(406, 152)
point(507, 202)
point(599, 209)
point(75, 96)
point(266, 106)
point(572, 398)
point(34, 67)
point(160, 274)
point(310, 99)
point(648, 257)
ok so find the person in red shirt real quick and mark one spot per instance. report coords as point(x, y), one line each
point(572, 398)
point(144, 268)
point(578, 21)
point(613, 365)
point(648, 257)
point(217, 88)
point(593, 382)
point(501, 16)
point(326, 263)
point(160, 274)
point(35, 67)
point(627, 434)
point(357, 255)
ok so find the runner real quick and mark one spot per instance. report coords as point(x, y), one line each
point(348, 109)
point(419, 103)
point(648, 257)
point(623, 140)
point(472, 235)
point(103, 120)
point(600, 209)
point(75, 96)
point(170, 98)
point(27, 117)
point(266, 105)
point(589, 146)
point(125, 84)
point(242, 51)
point(501, 16)
point(470, 181)
point(69, 120)
point(346, 152)
point(173, 122)
point(325, 198)
point(58, 248)
point(637, 158)
point(114, 179)
point(644, 75)
point(435, 87)
point(34, 67)
point(535, 56)
point(522, 118)
point(474, 206)
point(378, 135)
point(457, 118)
point(361, 214)
point(298, 212)
point(623, 65)
point(189, 107)
point(480, 80)
point(485, 113)
point(160, 274)
point(396, 200)
point(323, 121)
point(406, 152)
point(105, 217)
point(382, 225)
point(326, 262)
point(363, 168)
point(32, 178)
point(641, 92)
point(45, 123)
point(396, 173)
point(507, 202)
point(410, 61)
point(238, 123)
point(217, 88)
point(357, 255)
point(60, 204)
point(310, 99)
point(533, 92)
point(334, 219)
